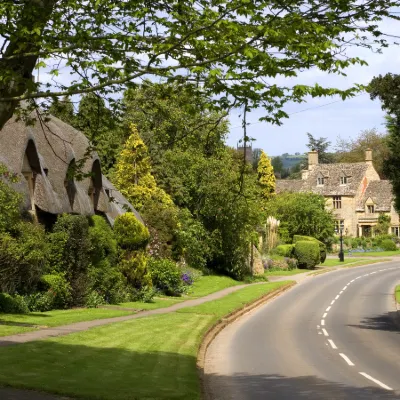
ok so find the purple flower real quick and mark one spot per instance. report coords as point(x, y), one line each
point(187, 279)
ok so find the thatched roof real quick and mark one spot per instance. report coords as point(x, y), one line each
point(48, 149)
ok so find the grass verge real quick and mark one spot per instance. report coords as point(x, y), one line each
point(11, 324)
point(378, 254)
point(397, 293)
point(286, 272)
point(205, 285)
point(147, 358)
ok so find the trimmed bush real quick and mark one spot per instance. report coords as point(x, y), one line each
point(134, 267)
point(130, 233)
point(307, 253)
point(322, 247)
point(388, 245)
point(13, 304)
point(285, 250)
point(166, 277)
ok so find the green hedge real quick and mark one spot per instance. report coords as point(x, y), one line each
point(285, 250)
point(388, 245)
point(307, 253)
point(322, 246)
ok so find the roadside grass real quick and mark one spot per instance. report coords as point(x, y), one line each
point(148, 358)
point(397, 293)
point(205, 285)
point(332, 262)
point(377, 254)
point(11, 324)
point(286, 272)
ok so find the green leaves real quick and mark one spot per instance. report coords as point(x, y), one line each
point(226, 47)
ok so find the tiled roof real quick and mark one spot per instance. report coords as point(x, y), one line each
point(332, 173)
point(380, 193)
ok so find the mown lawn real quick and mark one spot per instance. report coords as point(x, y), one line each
point(376, 254)
point(397, 293)
point(333, 262)
point(148, 358)
point(11, 324)
point(286, 272)
point(205, 285)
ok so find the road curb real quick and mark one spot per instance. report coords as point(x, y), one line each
point(213, 331)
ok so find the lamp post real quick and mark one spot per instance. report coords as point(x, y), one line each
point(341, 253)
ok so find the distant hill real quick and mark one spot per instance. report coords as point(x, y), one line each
point(290, 160)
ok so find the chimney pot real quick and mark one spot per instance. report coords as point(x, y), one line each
point(368, 156)
point(312, 159)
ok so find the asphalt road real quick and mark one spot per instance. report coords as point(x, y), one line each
point(333, 336)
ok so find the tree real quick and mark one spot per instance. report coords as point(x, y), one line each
point(133, 176)
point(386, 89)
point(321, 146)
point(63, 109)
point(301, 214)
point(353, 150)
point(226, 47)
point(172, 116)
point(266, 176)
point(277, 165)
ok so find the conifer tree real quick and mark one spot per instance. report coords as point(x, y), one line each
point(133, 176)
point(266, 177)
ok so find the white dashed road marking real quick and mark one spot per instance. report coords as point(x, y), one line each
point(330, 341)
point(333, 345)
point(375, 381)
point(347, 359)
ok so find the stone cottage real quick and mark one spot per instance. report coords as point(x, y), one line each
point(354, 191)
point(43, 156)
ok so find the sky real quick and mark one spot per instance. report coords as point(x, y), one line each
point(317, 116)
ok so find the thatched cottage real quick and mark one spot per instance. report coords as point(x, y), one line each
point(354, 191)
point(43, 156)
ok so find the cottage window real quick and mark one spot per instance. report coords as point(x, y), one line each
point(370, 209)
point(343, 180)
point(337, 202)
point(320, 181)
point(396, 231)
point(339, 225)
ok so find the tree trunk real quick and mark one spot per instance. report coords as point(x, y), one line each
point(20, 56)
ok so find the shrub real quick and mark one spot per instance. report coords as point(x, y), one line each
point(322, 247)
point(144, 295)
point(13, 304)
point(388, 245)
point(10, 200)
point(130, 233)
point(57, 285)
point(109, 282)
point(94, 299)
point(134, 267)
point(285, 250)
point(102, 240)
point(22, 258)
point(40, 301)
point(292, 263)
point(70, 253)
point(166, 277)
point(307, 253)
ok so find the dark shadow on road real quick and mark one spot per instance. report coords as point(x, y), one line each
point(389, 322)
point(278, 387)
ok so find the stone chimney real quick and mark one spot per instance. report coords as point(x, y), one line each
point(312, 159)
point(368, 156)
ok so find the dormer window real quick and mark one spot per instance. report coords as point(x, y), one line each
point(320, 181)
point(370, 209)
point(343, 180)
